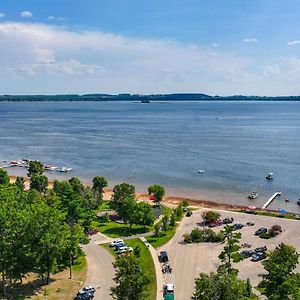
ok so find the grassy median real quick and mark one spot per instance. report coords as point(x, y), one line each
point(146, 264)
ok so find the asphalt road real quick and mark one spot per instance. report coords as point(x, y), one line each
point(100, 269)
point(189, 260)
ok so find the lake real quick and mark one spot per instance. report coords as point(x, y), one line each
point(235, 143)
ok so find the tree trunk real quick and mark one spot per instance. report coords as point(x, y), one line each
point(48, 277)
point(3, 284)
point(71, 261)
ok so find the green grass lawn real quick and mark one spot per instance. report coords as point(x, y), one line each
point(162, 239)
point(115, 230)
point(269, 214)
point(146, 264)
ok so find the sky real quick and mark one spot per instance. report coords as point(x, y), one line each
point(217, 47)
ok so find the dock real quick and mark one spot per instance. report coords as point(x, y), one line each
point(271, 199)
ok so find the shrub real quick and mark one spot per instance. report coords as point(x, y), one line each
point(206, 235)
point(275, 230)
point(265, 235)
point(156, 229)
point(137, 251)
point(184, 203)
point(210, 216)
point(187, 238)
point(196, 235)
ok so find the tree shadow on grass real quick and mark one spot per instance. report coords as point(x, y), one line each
point(25, 290)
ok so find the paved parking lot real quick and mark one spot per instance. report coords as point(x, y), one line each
point(189, 260)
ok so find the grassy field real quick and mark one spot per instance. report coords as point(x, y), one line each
point(270, 214)
point(163, 238)
point(146, 263)
point(114, 230)
point(61, 286)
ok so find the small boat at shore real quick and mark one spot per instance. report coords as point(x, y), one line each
point(64, 169)
point(253, 195)
point(201, 171)
point(270, 176)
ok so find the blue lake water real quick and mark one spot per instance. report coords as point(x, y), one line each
point(236, 143)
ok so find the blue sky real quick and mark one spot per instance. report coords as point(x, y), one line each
point(114, 46)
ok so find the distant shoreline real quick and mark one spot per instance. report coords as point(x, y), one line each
point(143, 98)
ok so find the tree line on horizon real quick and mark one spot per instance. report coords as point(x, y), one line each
point(138, 97)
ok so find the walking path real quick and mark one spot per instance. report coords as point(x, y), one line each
point(159, 276)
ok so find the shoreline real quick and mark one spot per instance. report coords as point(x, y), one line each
point(172, 200)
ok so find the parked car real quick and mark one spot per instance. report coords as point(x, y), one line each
point(189, 213)
point(250, 224)
point(261, 249)
point(215, 223)
point(258, 256)
point(228, 220)
point(261, 230)
point(163, 257)
point(86, 293)
point(118, 246)
point(85, 296)
point(247, 253)
point(238, 226)
point(114, 243)
point(124, 249)
point(92, 232)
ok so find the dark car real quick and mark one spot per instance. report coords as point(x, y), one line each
point(85, 296)
point(250, 224)
point(261, 249)
point(163, 257)
point(215, 223)
point(238, 226)
point(189, 213)
point(247, 253)
point(228, 220)
point(258, 256)
point(261, 230)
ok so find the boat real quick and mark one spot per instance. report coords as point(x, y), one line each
point(64, 169)
point(270, 176)
point(298, 202)
point(253, 195)
point(201, 171)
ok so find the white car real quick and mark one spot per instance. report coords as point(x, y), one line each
point(87, 289)
point(124, 249)
point(116, 242)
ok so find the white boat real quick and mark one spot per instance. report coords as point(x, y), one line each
point(270, 176)
point(201, 171)
point(253, 195)
point(64, 169)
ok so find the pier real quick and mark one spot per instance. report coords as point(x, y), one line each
point(271, 199)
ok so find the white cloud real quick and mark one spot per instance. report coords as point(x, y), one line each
point(287, 68)
point(296, 42)
point(250, 40)
point(2, 15)
point(39, 58)
point(56, 18)
point(26, 14)
point(215, 45)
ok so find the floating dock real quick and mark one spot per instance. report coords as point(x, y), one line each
point(271, 199)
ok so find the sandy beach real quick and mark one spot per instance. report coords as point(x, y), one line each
point(168, 199)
